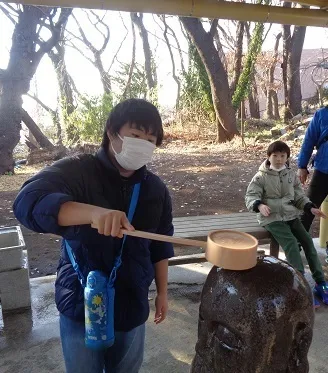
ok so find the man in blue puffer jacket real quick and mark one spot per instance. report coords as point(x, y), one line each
point(78, 192)
point(315, 136)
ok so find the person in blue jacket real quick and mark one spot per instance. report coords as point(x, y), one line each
point(315, 136)
point(80, 192)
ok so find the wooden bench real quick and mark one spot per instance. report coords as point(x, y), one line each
point(198, 227)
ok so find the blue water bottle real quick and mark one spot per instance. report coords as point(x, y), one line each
point(99, 311)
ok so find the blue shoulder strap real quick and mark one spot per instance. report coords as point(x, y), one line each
point(132, 208)
point(118, 259)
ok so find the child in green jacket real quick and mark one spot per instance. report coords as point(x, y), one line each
point(276, 194)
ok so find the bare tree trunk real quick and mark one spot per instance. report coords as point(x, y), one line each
point(269, 105)
point(276, 114)
point(270, 114)
point(23, 62)
point(175, 77)
point(253, 99)
point(225, 114)
point(65, 81)
point(149, 63)
point(238, 55)
point(105, 79)
point(54, 116)
point(294, 78)
point(133, 61)
point(40, 138)
point(179, 49)
point(292, 52)
point(285, 58)
point(97, 62)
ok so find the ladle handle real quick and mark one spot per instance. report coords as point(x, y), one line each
point(164, 238)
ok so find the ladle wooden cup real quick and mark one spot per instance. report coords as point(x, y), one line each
point(224, 248)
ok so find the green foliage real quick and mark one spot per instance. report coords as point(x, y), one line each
point(138, 84)
point(137, 88)
point(255, 46)
point(88, 120)
point(196, 85)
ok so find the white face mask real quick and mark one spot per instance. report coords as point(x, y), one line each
point(135, 153)
point(277, 169)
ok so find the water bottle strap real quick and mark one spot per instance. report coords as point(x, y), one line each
point(118, 259)
point(132, 209)
point(74, 263)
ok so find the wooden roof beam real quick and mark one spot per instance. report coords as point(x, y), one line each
point(202, 8)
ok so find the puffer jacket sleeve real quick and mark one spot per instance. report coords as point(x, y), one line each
point(300, 199)
point(311, 139)
point(163, 250)
point(38, 202)
point(254, 193)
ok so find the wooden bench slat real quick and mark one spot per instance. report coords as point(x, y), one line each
point(213, 223)
point(198, 227)
point(217, 225)
point(203, 231)
point(232, 216)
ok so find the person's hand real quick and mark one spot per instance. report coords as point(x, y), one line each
point(302, 174)
point(318, 212)
point(264, 209)
point(110, 222)
point(161, 305)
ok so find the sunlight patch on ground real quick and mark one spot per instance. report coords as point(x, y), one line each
point(200, 168)
point(9, 183)
point(181, 356)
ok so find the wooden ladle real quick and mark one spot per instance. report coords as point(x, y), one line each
point(228, 249)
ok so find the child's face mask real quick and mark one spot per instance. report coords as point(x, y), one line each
point(278, 169)
point(135, 153)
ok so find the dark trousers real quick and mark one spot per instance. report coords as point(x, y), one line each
point(318, 191)
point(288, 234)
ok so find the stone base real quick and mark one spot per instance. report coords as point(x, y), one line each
point(15, 288)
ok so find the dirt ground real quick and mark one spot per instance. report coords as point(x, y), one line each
point(203, 179)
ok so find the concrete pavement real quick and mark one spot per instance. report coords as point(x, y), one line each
point(29, 342)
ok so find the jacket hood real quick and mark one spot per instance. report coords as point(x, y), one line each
point(265, 167)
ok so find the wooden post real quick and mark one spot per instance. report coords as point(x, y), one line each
point(323, 234)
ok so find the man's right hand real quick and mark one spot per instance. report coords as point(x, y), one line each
point(264, 209)
point(302, 174)
point(110, 222)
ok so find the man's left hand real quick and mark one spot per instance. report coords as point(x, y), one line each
point(161, 304)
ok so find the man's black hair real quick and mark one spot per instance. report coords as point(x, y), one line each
point(141, 113)
point(278, 146)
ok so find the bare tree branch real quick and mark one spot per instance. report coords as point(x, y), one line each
point(214, 26)
point(179, 48)
point(74, 36)
point(121, 44)
point(228, 38)
point(175, 77)
point(70, 44)
point(161, 39)
point(49, 44)
point(183, 30)
point(100, 21)
point(7, 14)
point(42, 104)
point(149, 68)
point(84, 38)
point(15, 10)
point(53, 113)
point(133, 60)
point(97, 61)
